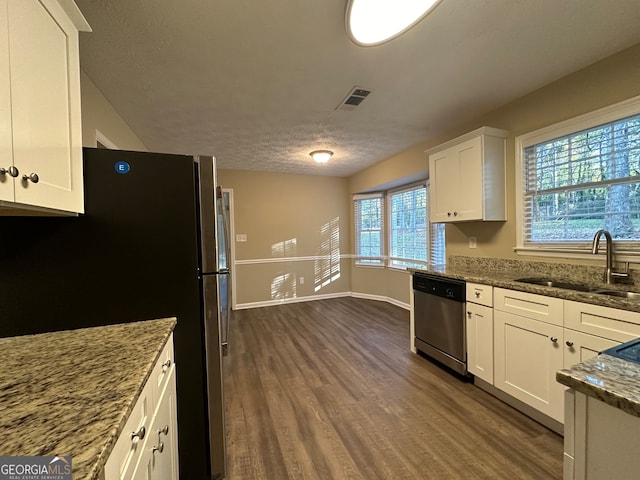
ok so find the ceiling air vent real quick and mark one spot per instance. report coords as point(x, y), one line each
point(354, 98)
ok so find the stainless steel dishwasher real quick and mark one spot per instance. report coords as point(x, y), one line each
point(439, 320)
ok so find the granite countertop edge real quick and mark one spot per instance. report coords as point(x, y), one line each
point(612, 380)
point(72, 392)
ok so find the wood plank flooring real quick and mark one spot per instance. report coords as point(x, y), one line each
point(329, 390)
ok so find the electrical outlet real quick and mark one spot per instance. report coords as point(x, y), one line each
point(241, 237)
point(473, 242)
point(301, 280)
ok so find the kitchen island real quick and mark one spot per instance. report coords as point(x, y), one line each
point(602, 411)
point(71, 392)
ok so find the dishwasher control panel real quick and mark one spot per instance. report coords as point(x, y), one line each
point(440, 286)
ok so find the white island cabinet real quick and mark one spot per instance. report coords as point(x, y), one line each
point(468, 177)
point(40, 125)
point(148, 446)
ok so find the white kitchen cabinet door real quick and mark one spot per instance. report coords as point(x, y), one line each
point(43, 85)
point(480, 341)
point(579, 346)
point(6, 151)
point(468, 177)
point(528, 353)
point(444, 191)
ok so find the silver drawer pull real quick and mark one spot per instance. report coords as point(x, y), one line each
point(477, 294)
point(164, 430)
point(12, 171)
point(569, 344)
point(139, 434)
point(554, 339)
point(33, 177)
point(166, 364)
point(159, 448)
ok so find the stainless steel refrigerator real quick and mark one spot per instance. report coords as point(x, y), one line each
point(151, 244)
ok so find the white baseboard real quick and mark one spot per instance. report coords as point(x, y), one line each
point(270, 303)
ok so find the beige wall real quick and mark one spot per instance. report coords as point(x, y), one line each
point(300, 218)
point(99, 116)
point(612, 80)
point(293, 216)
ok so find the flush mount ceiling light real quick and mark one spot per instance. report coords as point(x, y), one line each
point(371, 22)
point(321, 156)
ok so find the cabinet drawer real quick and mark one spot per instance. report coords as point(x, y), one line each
point(619, 325)
point(127, 450)
point(530, 305)
point(481, 294)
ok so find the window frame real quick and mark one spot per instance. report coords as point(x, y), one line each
point(360, 260)
point(391, 259)
point(587, 121)
point(386, 259)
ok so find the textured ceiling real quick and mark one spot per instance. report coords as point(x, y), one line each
point(257, 83)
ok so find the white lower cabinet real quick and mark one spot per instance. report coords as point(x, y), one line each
point(159, 459)
point(480, 341)
point(528, 353)
point(581, 346)
point(148, 446)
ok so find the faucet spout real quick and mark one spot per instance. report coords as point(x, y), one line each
point(609, 274)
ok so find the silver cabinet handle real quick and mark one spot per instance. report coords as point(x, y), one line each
point(164, 430)
point(12, 171)
point(477, 294)
point(469, 314)
point(33, 177)
point(554, 339)
point(166, 364)
point(455, 214)
point(569, 344)
point(448, 214)
point(139, 434)
point(159, 448)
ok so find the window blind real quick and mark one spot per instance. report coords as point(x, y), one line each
point(581, 182)
point(369, 226)
point(408, 228)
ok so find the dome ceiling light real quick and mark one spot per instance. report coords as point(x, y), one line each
point(371, 22)
point(321, 156)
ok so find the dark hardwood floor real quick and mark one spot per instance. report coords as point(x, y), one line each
point(329, 390)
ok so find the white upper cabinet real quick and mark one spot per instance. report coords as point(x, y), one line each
point(467, 177)
point(40, 124)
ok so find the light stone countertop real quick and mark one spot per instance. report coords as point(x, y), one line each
point(71, 392)
point(612, 380)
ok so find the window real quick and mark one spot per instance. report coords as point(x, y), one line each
point(369, 211)
point(579, 177)
point(408, 228)
point(412, 240)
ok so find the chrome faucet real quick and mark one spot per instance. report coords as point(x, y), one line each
point(609, 274)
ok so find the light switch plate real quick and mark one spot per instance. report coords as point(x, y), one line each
point(241, 237)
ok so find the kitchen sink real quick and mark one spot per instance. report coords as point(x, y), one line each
point(578, 287)
point(619, 294)
point(548, 282)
